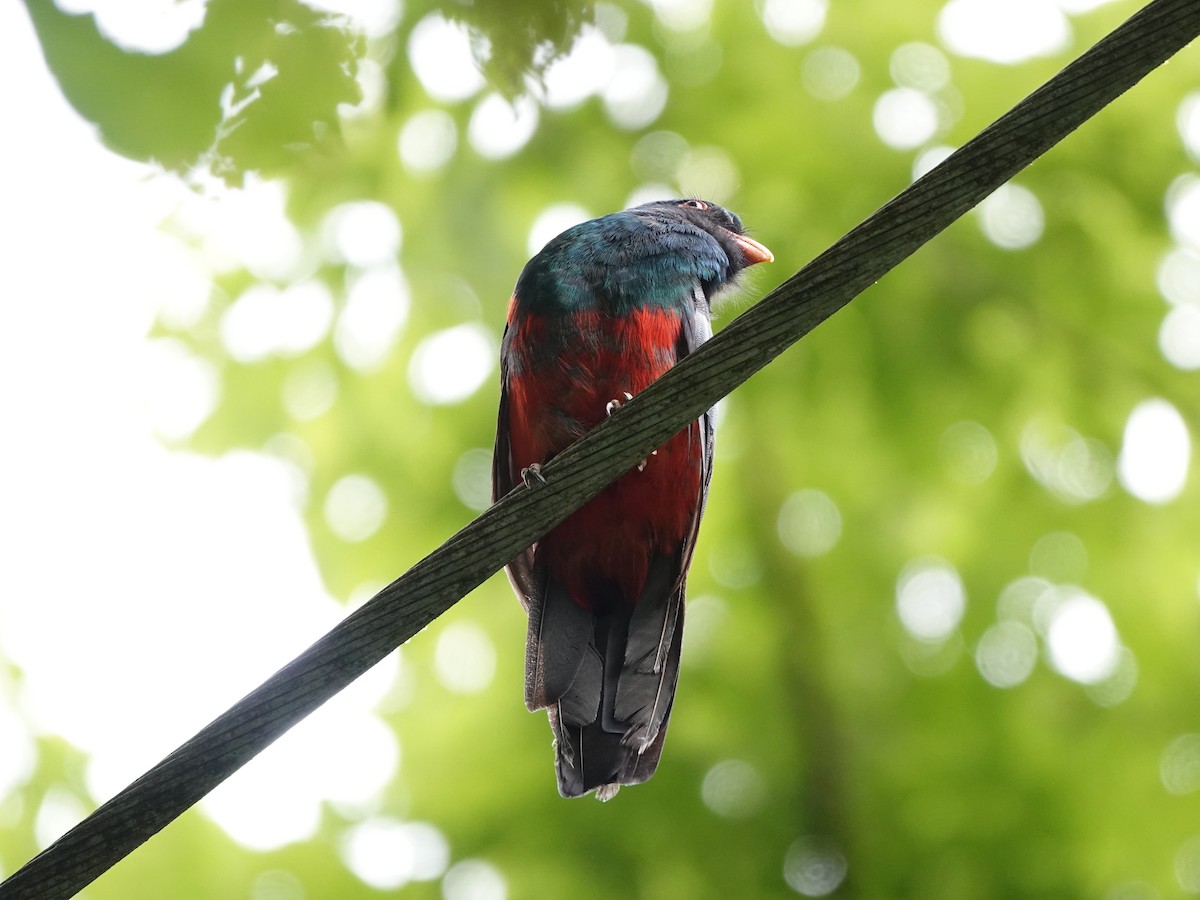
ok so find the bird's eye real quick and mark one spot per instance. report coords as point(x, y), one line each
point(694, 204)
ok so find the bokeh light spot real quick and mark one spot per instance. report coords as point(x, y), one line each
point(1081, 638)
point(1179, 276)
point(1188, 121)
point(277, 884)
point(1120, 682)
point(658, 155)
point(1019, 599)
point(706, 618)
point(637, 93)
point(1187, 865)
point(930, 599)
point(1012, 217)
point(612, 21)
point(499, 128)
point(355, 507)
point(735, 564)
point(250, 225)
point(145, 26)
point(809, 523)
point(373, 87)
point(472, 478)
point(921, 66)
point(376, 308)
point(830, 73)
point(1155, 452)
point(733, 789)
point(814, 867)
point(1073, 468)
point(1183, 210)
point(362, 233)
point(1004, 31)
point(309, 390)
point(266, 321)
point(794, 22)
point(583, 72)
point(387, 854)
point(683, 15)
point(905, 118)
point(427, 141)
point(451, 365)
point(1180, 765)
point(708, 172)
point(474, 879)
point(465, 659)
point(1179, 337)
point(1006, 654)
point(440, 54)
point(968, 451)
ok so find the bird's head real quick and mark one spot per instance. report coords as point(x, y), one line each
point(654, 254)
point(723, 226)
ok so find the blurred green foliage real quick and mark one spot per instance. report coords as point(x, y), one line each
point(864, 743)
point(191, 105)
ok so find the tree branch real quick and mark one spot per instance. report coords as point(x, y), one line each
point(746, 345)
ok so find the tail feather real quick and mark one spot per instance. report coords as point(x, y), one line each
point(647, 682)
point(560, 634)
point(580, 703)
point(620, 670)
point(653, 619)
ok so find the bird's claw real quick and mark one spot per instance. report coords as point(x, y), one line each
point(613, 405)
point(531, 472)
point(642, 465)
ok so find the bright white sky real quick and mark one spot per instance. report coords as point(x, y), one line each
point(141, 591)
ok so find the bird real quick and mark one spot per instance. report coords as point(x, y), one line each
point(603, 310)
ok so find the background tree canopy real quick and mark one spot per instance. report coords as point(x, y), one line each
point(943, 615)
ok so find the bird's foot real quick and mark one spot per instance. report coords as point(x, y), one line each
point(613, 405)
point(606, 792)
point(532, 472)
point(642, 465)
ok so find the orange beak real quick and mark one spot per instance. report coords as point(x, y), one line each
point(752, 249)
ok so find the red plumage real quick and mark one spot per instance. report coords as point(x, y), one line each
point(644, 513)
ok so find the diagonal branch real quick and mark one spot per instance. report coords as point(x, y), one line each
point(746, 345)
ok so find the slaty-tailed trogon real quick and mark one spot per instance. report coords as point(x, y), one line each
point(603, 310)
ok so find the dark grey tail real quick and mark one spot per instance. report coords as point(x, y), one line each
point(607, 681)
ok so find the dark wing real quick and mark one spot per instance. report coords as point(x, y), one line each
point(520, 570)
point(697, 328)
